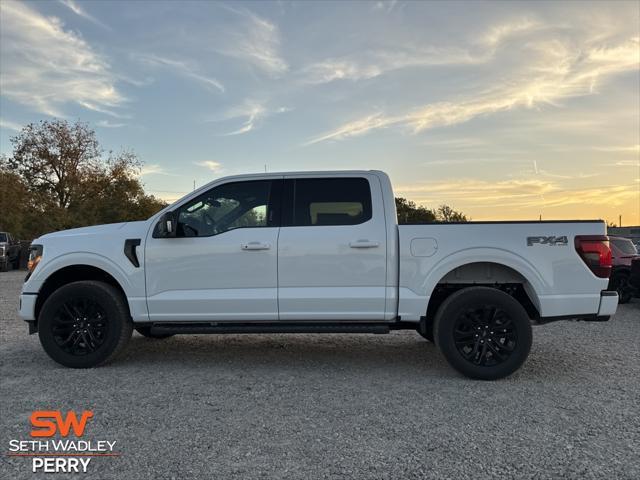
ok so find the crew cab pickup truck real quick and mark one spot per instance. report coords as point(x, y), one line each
point(314, 252)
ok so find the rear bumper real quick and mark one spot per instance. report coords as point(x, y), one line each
point(607, 307)
point(608, 303)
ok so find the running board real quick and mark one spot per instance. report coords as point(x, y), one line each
point(220, 327)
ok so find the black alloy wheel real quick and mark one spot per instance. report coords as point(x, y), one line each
point(483, 332)
point(79, 326)
point(84, 324)
point(485, 335)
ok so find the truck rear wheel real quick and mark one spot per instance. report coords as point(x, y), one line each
point(84, 324)
point(483, 333)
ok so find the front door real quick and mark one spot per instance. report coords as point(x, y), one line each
point(222, 264)
point(332, 249)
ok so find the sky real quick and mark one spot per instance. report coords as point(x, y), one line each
point(505, 110)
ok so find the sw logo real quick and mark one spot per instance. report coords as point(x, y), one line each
point(45, 426)
point(553, 241)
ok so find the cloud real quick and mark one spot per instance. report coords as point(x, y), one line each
point(621, 149)
point(211, 165)
point(46, 67)
point(108, 124)
point(499, 33)
point(81, 12)
point(386, 6)
point(355, 128)
point(181, 68)
point(9, 125)
point(626, 163)
point(256, 42)
point(367, 65)
point(252, 113)
point(552, 73)
point(518, 194)
point(155, 169)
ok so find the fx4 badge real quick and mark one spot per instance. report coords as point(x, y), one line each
point(547, 241)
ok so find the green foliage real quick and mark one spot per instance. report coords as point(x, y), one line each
point(58, 178)
point(409, 212)
point(447, 214)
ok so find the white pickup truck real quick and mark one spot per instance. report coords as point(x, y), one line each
point(317, 252)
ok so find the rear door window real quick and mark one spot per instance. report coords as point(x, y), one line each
point(329, 201)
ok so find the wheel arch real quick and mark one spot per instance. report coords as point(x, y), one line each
point(497, 270)
point(75, 273)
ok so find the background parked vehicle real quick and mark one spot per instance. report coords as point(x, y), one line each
point(634, 277)
point(623, 251)
point(9, 252)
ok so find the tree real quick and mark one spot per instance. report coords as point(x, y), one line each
point(409, 212)
point(14, 206)
point(447, 214)
point(69, 182)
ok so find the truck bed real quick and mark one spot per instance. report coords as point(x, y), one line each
point(540, 255)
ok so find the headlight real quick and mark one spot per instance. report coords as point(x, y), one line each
point(2, 251)
point(35, 254)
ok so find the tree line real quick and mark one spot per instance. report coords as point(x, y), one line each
point(58, 177)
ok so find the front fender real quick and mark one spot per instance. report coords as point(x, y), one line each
point(130, 279)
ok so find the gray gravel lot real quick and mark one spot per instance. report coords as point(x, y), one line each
point(336, 406)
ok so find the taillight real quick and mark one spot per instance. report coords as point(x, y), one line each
point(596, 253)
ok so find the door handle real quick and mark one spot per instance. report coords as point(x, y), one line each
point(255, 246)
point(363, 244)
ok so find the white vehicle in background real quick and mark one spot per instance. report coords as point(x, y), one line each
point(314, 252)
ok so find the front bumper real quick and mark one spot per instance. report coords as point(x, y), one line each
point(608, 303)
point(27, 309)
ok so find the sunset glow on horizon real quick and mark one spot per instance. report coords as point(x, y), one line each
point(502, 110)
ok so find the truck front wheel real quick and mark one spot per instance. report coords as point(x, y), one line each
point(84, 324)
point(483, 333)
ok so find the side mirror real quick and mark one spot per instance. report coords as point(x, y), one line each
point(166, 227)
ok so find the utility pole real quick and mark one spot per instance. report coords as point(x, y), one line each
point(194, 185)
point(620, 220)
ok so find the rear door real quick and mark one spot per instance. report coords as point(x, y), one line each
point(332, 249)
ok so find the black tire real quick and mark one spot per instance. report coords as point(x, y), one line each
point(146, 332)
point(483, 333)
point(4, 266)
point(16, 263)
point(84, 324)
point(620, 283)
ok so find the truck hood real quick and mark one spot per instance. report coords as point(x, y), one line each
point(110, 229)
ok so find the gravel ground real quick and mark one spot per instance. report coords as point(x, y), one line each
point(336, 406)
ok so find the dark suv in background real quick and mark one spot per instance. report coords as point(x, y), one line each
point(9, 252)
point(623, 251)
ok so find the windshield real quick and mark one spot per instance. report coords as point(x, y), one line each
point(625, 246)
point(3, 237)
